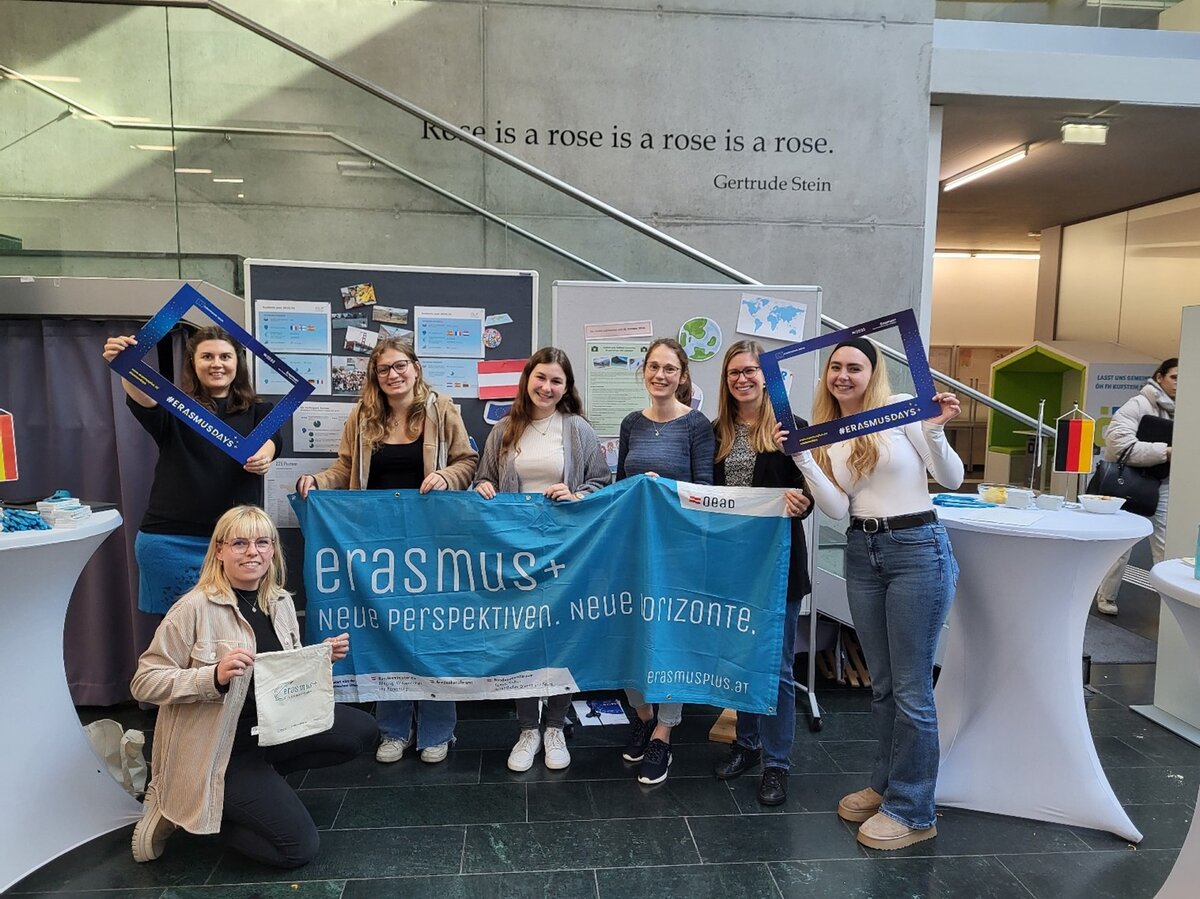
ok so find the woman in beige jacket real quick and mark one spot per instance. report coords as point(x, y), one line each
point(210, 774)
point(402, 436)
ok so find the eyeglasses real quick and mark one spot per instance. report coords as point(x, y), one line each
point(401, 367)
point(668, 370)
point(736, 374)
point(241, 546)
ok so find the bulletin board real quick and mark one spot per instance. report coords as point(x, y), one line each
point(705, 318)
point(322, 318)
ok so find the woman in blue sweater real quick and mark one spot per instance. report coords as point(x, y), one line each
point(667, 439)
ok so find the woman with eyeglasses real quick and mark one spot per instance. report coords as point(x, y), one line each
point(900, 580)
point(667, 439)
point(749, 454)
point(210, 774)
point(544, 445)
point(402, 436)
point(173, 535)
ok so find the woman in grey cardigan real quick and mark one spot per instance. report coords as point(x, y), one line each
point(544, 445)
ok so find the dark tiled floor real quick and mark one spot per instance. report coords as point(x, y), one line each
point(471, 828)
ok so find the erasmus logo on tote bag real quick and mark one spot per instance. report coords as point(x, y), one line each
point(294, 693)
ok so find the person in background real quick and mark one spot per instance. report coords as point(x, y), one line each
point(900, 581)
point(666, 439)
point(402, 435)
point(544, 445)
point(210, 774)
point(194, 481)
point(1156, 398)
point(749, 454)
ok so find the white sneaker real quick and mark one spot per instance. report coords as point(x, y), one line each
point(434, 754)
point(1106, 606)
point(391, 750)
point(522, 755)
point(557, 757)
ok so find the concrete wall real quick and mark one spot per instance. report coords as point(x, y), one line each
point(834, 99)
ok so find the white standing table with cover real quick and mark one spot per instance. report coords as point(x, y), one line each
point(57, 794)
point(1176, 583)
point(1011, 720)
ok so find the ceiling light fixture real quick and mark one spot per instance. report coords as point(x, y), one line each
point(193, 171)
point(228, 180)
point(986, 168)
point(161, 148)
point(1093, 132)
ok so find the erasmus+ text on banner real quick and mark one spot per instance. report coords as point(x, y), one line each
point(675, 589)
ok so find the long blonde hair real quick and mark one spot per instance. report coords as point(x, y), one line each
point(374, 413)
point(762, 432)
point(864, 451)
point(250, 522)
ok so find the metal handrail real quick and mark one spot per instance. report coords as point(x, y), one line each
point(460, 134)
point(496, 152)
point(320, 134)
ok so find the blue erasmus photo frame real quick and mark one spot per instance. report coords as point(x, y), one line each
point(130, 363)
point(893, 415)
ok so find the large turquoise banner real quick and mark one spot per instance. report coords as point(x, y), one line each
point(671, 588)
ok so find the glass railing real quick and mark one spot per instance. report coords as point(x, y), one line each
point(1147, 14)
point(163, 133)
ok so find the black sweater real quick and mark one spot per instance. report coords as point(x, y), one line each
point(776, 469)
point(194, 481)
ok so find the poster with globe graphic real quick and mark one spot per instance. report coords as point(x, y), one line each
point(700, 338)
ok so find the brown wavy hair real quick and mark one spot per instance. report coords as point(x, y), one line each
point(762, 432)
point(864, 451)
point(520, 415)
point(683, 392)
point(241, 391)
point(374, 413)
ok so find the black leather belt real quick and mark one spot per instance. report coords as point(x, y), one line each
point(895, 523)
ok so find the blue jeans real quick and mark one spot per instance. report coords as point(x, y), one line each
point(435, 721)
point(900, 585)
point(775, 733)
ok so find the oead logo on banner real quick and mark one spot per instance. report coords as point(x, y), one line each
point(8, 447)
point(764, 502)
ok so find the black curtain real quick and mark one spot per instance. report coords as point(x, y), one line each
point(73, 432)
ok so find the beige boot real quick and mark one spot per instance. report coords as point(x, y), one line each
point(881, 832)
point(151, 832)
point(858, 807)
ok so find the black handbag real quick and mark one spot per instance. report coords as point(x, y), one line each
point(1135, 485)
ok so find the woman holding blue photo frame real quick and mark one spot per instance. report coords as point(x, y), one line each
point(900, 581)
point(194, 481)
point(402, 436)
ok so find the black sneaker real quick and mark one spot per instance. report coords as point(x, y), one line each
point(738, 762)
point(772, 789)
point(639, 737)
point(655, 763)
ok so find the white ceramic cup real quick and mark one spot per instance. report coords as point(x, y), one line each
point(1050, 502)
point(1018, 498)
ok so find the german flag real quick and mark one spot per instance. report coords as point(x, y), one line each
point(8, 448)
point(1073, 445)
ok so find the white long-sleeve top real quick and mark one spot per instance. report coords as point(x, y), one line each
point(898, 485)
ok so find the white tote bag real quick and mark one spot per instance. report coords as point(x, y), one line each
point(294, 693)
